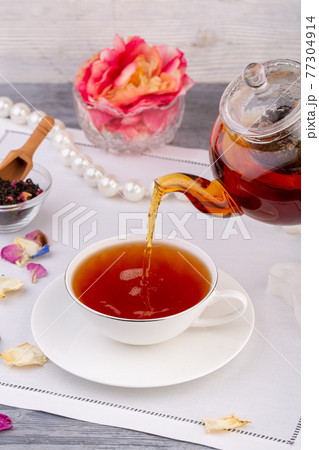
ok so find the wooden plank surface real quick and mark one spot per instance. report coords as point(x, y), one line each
point(41, 431)
point(201, 111)
point(44, 41)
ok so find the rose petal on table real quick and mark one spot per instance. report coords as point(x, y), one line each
point(38, 236)
point(223, 423)
point(12, 253)
point(30, 250)
point(24, 355)
point(36, 271)
point(23, 249)
point(8, 284)
point(28, 245)
point(5, 422)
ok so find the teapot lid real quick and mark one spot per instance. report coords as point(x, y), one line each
point(265, 99)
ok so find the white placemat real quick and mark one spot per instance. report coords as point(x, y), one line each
point(261, 384)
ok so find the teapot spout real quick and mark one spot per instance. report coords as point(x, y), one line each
point(209, 197)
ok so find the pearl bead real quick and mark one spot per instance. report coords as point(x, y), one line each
point(19, 113)
point(87, 161)
point(109, 185)
point(67, 154)
point(34, 118)
point(91, 176)
point(133, 190)
point(5, 106)
point(62, 138)
point(57, 138)
point(58, 126)
point(99, 171)
point(78, 165)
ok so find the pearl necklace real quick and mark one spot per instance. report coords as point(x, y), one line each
point(81, 164)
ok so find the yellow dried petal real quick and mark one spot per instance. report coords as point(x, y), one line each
point(24, 355)
point(8, 284)
point(223, 423)
point(30, 248)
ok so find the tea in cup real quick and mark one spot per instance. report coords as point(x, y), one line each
point(107, 282)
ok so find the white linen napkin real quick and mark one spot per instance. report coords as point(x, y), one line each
point(261, 384)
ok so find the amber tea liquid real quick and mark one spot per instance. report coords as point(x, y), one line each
point(111, 281)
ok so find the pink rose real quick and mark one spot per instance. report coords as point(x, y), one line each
point(133, 89)
point(133, 75)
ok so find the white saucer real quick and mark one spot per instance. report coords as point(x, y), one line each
point(70, 342)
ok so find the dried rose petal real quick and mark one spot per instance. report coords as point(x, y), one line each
point(29, 247)
point(24, 355)
point(8, 284)
point(12, 253)
point(24, 196)
point(223, 423)
point(38, 237)
point(37, 271)
point(23, 249)
point(5, 422)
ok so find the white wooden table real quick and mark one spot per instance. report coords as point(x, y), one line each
point(218, 37)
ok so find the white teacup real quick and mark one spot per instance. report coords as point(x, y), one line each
point(154, 331)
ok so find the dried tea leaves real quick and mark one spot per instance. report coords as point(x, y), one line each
point(14, 192)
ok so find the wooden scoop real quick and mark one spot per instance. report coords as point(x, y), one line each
point(18, 163)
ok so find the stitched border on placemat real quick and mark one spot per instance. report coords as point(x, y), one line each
point(290, 441)
point(148, 155)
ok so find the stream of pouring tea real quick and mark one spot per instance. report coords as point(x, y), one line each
point(158, 193)
point(208, 197)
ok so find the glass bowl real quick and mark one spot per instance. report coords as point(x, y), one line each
point(15, 217)
point(135, 132)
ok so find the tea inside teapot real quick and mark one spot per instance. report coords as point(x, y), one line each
point(255, 149)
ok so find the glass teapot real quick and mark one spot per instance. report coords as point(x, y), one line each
point(255, 149)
